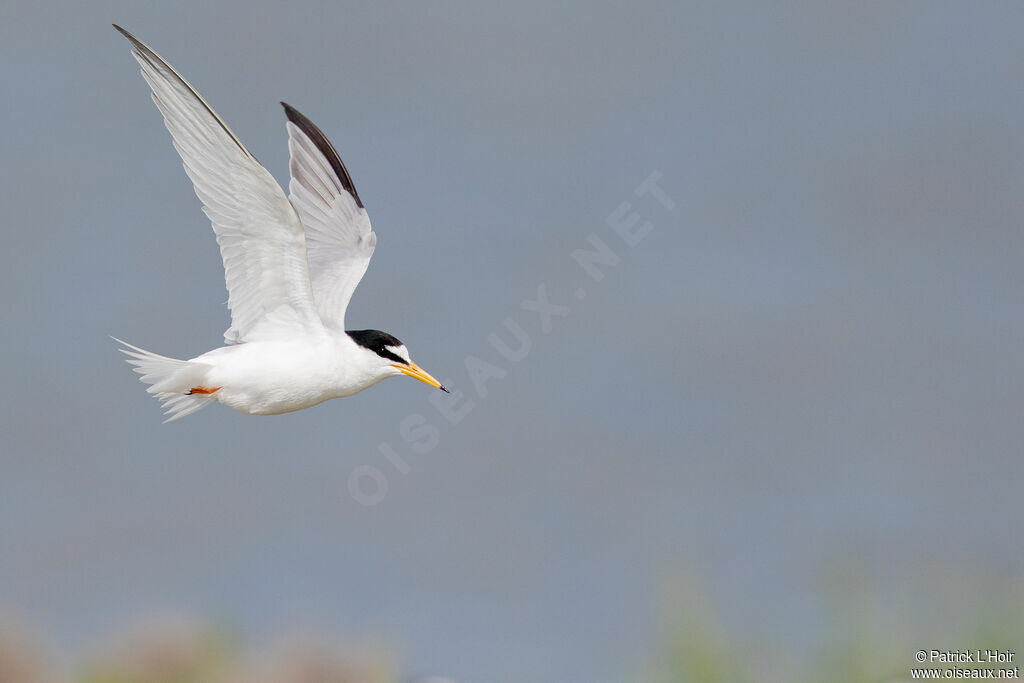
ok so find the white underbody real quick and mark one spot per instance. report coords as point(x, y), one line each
point(280, 376)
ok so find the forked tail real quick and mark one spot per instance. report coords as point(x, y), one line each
point(170, 380)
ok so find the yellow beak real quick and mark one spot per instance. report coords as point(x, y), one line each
point(416, 372)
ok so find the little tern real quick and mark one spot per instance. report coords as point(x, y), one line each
point(290, 263)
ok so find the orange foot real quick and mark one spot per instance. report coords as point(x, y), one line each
point(202, 390)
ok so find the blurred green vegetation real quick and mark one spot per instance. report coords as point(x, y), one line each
point(193, 652)
point(863, 639)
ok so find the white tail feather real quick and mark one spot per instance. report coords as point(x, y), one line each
point(170, 380)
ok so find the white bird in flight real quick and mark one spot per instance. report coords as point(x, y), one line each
point(290, 263)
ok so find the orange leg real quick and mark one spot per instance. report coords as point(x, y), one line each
point(203, 390)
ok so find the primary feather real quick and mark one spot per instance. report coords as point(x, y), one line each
point(339, 241)
point(260, 236)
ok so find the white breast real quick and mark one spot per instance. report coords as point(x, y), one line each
point(272, 377)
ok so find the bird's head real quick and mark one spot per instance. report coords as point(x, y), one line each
point(390, 357)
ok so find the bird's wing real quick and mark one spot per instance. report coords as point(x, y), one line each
point(260, 236)
point(339, 241)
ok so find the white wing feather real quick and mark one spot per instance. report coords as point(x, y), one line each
point(260, 236)
point(339, 240)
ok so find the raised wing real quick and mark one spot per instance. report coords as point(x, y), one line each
point(261, 239)
point(339, 241)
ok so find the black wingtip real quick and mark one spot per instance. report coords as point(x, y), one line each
point(126, 33)
point(325, 147)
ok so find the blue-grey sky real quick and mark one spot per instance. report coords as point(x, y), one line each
point(814, 359)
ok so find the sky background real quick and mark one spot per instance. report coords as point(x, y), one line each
point(806, 374)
